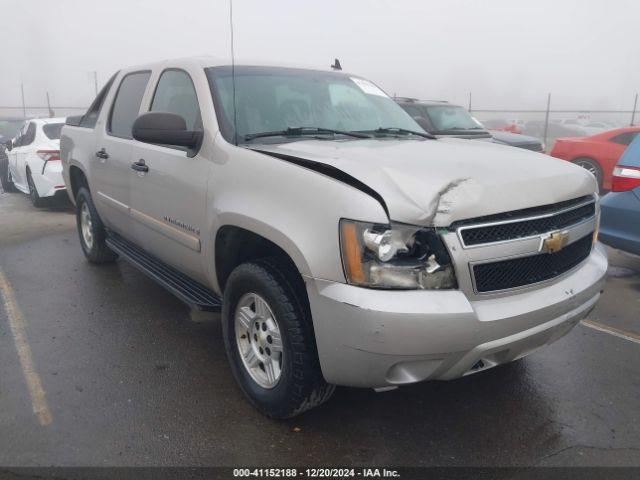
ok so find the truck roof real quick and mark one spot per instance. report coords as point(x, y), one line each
point(211, 61)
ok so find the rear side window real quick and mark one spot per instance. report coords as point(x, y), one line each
point(175, 93)
point(126, 105)
point(52, 130)
point(90, 118)
point(631, 156)
point(625, 138)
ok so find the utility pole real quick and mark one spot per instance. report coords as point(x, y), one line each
point(546, 119)
point(95, 81)
point(633, 114)
point(51, 113)
point(24, 108)
point(469, 102)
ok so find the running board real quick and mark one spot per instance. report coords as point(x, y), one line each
point(189, 291)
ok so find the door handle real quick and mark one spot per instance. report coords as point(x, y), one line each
point(102, 153)
point(140, 166)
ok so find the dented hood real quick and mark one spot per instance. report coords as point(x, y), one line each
point(436, 182)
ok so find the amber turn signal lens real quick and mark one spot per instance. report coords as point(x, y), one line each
point(352, 254)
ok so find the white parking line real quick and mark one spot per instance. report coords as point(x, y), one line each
point(17, 325)
point(632, 337)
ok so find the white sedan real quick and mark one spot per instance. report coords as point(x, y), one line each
point(34, 165)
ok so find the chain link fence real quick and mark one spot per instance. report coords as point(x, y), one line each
point(547, 125)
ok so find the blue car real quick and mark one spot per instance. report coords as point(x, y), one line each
point(620, 219)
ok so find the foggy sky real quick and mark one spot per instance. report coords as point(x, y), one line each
point(509, 53)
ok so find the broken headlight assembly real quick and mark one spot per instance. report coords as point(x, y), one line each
point(395, 256)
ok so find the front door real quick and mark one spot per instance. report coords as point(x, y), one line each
point(168, 200)
point(18, 155)
point(114, 152)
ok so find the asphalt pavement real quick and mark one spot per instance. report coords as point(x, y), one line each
point(130, 376)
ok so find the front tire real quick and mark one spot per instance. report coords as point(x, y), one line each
point(91, 230)
point(269, 339)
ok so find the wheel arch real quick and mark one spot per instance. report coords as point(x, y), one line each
point(236, 243)
point(77, 179)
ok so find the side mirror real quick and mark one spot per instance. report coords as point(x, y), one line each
point(165, 129)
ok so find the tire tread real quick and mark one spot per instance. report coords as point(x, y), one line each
point(308, 389)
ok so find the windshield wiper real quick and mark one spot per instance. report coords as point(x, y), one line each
point(300, 131)
point(399, 131)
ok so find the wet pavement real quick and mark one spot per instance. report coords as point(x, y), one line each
point(133, 377)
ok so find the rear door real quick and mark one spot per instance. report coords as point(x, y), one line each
point(168, 201)
point(113, 157)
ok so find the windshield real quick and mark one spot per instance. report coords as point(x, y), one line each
point(448, 117)
point(270, 99)
point(53, 130)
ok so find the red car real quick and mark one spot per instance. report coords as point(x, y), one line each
point(597, 153)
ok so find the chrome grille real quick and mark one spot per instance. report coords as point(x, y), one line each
point(527, 228)
point(496, 229)
point(518, 272)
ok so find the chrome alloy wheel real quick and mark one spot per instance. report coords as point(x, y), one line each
point(86, 225)
point(258, 340)
point(589, 166)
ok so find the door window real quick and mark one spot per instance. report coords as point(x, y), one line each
point(29, 136)
point(126, 105)
point(90, 118)
point(175, 93)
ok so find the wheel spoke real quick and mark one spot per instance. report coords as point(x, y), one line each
point(270, 370)
point(262, 310)
point(245, 316)
point(276, 341)
point(250, 357)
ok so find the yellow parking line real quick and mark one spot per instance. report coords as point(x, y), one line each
point(19, 332)
point(616, 332)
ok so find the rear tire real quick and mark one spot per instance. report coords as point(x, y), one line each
point(298, 384)
point(36, 200)
point(91, 230)
point(593, 167)
point(5, 175)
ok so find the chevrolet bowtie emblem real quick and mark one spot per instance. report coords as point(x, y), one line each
point(555, 242)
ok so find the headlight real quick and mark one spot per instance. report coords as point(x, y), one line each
point(394, 256)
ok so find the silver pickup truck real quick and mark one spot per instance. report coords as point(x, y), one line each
point(342, 244)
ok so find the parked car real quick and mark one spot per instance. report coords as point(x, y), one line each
point(504, 125)
point(4, 165)
point(34, 161)
point(445, 119)
point(584, 126)
point(536, 128)
point(343, 244)
point(9, 127)
point(597, 153)
point(620, 225)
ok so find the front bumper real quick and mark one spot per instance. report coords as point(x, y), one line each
point(376, 338)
